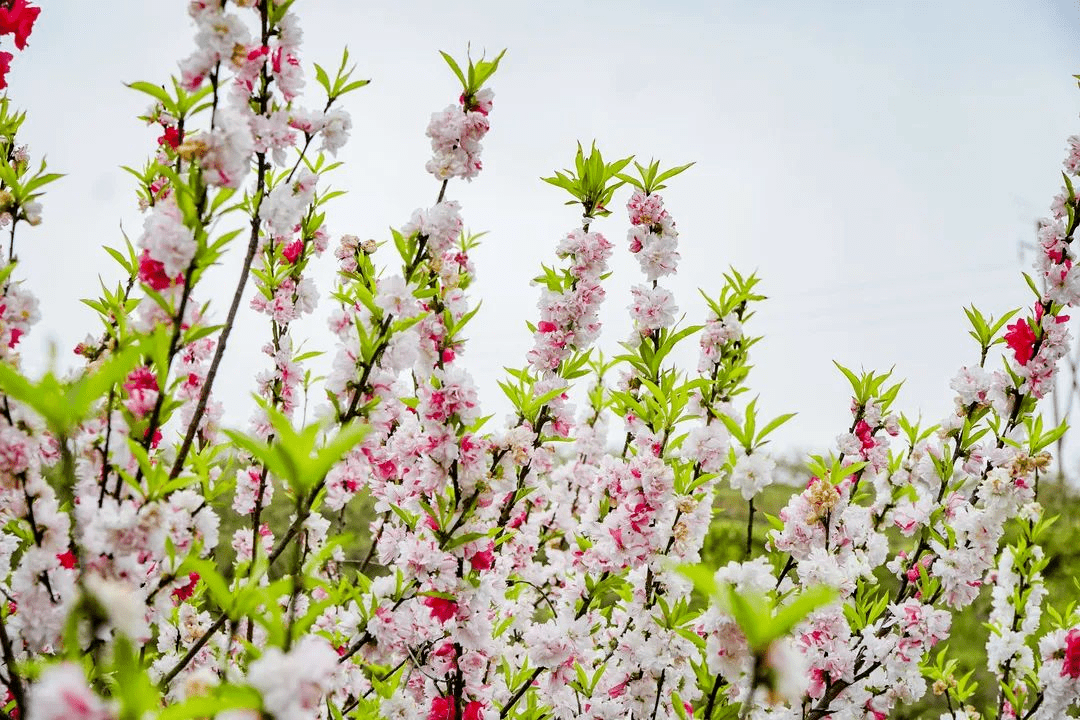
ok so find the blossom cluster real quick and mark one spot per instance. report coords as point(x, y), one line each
point(569, 312)
point(455, 135)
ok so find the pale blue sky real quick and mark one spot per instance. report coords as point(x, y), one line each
point(877, 162)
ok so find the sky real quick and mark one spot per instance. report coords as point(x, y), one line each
point(878, 164)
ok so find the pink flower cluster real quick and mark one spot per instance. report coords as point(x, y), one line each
point(455, 135)
point(569, 318)
point(654, 242)
point(652, 237)
point(18, 313)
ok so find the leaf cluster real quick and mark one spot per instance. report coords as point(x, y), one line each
point(590, 182)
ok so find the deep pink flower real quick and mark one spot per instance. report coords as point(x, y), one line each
point(1071, 666)
point(152, 272)
point(442, 708)
point(865, 435)
point(171, 137)
point(483, 560)
point(441, 608)
point(473, 711)
point(186, 591)
point(67, 559)
point(292, 251)
point(18, 20)
point(155, 438)
point(1021, 339)
point(1039, 312)
point(141, 378)
point(5, 65)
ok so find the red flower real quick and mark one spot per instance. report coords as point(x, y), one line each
point(473, 711)
point(18, 19)
point(1021, 339)
point(141, 378)
point(865, 435)
point(292, 251)
point(442, 708)
point(5, 65)
point(67, 559)
point(152, 272)
point(170, 138)
point(155, 439)
point(186, 591)
point(441, 608)
point(483, 560)
point(1039, 311)
point(1071, 666)
point(447, 650)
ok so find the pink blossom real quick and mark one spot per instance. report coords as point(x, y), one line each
point(282, 210)
point(228, 150)
point(455, 141)
point(61, 693)
point(167, 240)
point(653, 308)
point(335, 130)
point(142, 388)
point(294, 684)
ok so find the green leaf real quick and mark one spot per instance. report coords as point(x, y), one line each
point(64, 405)
point(772, 425)
point(703, 578)
point(322, 78)
point(157, 92)
point(456, 68)
point(808, 600)
point(220, 699)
